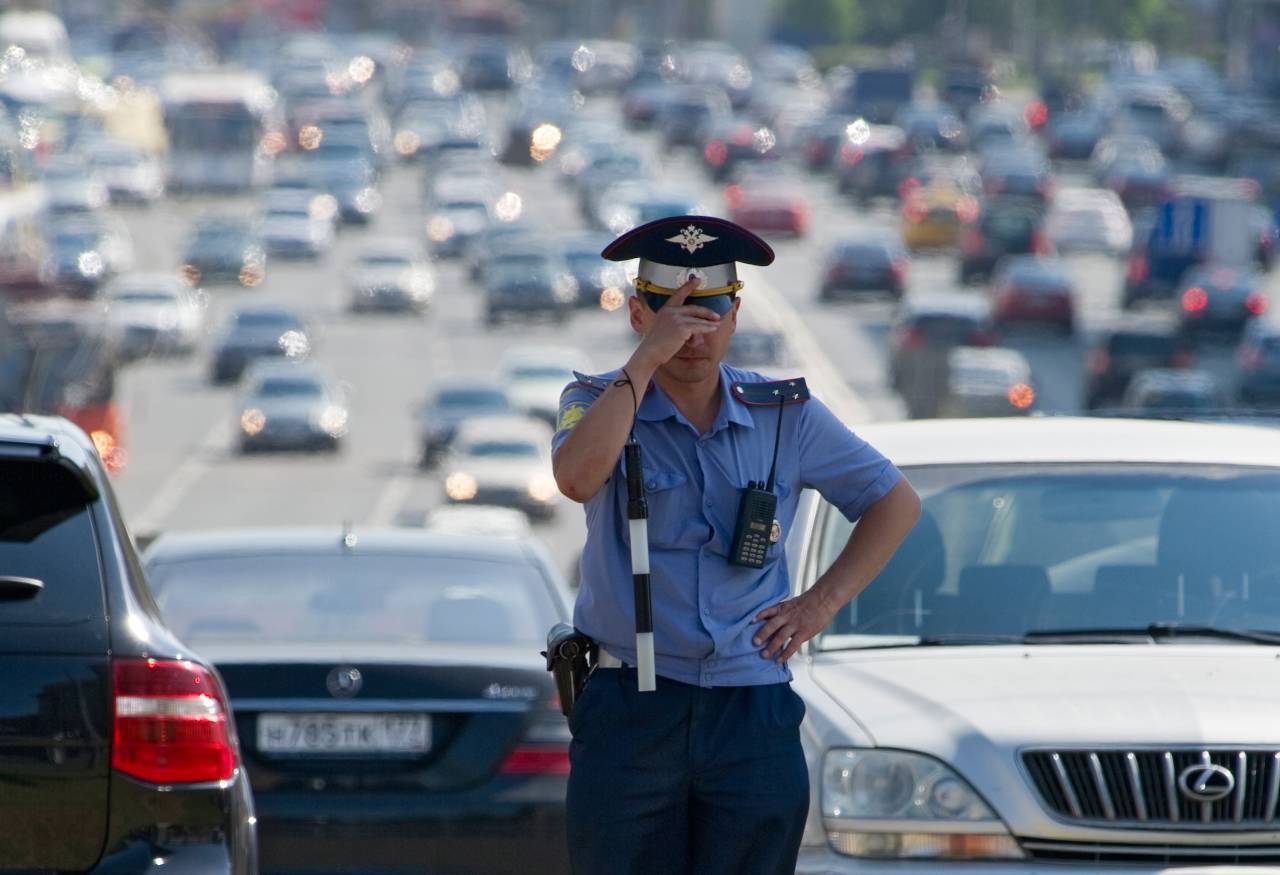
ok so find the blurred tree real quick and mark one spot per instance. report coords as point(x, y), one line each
point(818, 22)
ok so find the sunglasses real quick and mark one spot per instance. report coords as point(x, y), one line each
point(721, 304)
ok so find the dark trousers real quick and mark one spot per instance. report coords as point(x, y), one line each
point(685, 779)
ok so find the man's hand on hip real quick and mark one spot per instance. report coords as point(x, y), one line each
point(790, 623)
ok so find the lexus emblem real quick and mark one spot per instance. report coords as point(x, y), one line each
point(344, 682)
point(1205, 782)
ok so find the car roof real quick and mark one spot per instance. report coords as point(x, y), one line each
point(1174, 378)
point(333, 541)
point(1072, 440)
point(947, 303)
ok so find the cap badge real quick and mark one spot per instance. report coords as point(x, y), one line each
point(691, 238)
point(694, 273)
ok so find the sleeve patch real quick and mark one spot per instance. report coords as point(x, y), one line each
point(570, 414)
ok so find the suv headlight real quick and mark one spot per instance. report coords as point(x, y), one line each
point(896, 804)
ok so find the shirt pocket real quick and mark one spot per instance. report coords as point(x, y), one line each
point(673, 508)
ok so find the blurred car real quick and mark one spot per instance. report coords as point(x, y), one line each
point(995, 125)
point(877, 93)
point(1088, 220)
point(345, 172)
point(484, 64)
point(535, 376)
point(520, 282)
point(70, 187)
point(690, 113)
point(426, 122)
point(644, 97)
point(391, 275)
point(123, 733)
point(452, 402)
point(454, 224)
point(294, 224)
point(761, 350)
point(222, 249)
point(257, 332)
point(925, 330)
point(601, 283)
point(1028, 288)
point(1124, 348)
point(391, 702)
point(818, 141)
point(495, 237)
point(154, 314)
point(731, 143)
point(865, 262)
point(872, 161)
point(1093, 566)
point(1117, 149)
point(1183, 390)
point(291, 406)
point(1075, 134)
point(934, 213)
point(505, 461)
point(992, 381)
point(1139, 183)
point(964, 86)
point(1219, 299)
point(1258, 364)
point(932, 126)
point(85, 251)
point(1005, 226)
point(632, 203)
point(478, 519)
point(130, 175)
point(769, 205)
point(1017, 173)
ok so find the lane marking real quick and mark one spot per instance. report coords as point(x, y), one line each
point(174, 488)
point(816, 366)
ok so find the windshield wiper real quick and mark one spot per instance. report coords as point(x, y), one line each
point(956, 640)
point(1156, 631)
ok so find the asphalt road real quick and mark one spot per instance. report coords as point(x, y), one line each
point(184, 472)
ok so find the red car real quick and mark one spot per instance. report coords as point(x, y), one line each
point(768, 208)
point(1033, 290)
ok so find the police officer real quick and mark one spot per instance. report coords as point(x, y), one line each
point(705, 774)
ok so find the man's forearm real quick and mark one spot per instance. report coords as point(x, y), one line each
point(873, 542)
point(588, 455)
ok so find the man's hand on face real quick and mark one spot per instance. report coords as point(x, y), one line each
point(673, 325)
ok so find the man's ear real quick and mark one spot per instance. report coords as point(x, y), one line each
point(639, 313)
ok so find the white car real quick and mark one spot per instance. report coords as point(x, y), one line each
point(155, 313)
point(391, 275)
point(1089, 220)
point(535, 376)
point(504, 461)
point(130, 175)
point(987, 381)
point(1070, 664)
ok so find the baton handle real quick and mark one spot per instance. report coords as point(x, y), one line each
point(638, 525)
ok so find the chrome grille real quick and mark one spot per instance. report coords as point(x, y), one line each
point(1046, 850)
point(1140, 787)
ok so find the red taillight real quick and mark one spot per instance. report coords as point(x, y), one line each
point(1099, 361)
point(1040, 244)
point(971, 243)
point(171, 723)
point(1137, 270)
point(911, 339)
point(907, 186)
point(536, 759)
point(1035, 114)
point(716, 153)
point(733, 195)
point(1195, 299)
point(915, 210)
point(1256, 303)
point(1182, 359)
point(899, 268)
point(850, 154)
point(967, 208)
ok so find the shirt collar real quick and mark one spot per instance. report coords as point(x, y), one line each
point(657, 406)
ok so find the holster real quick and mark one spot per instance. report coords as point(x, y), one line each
point(570, 657)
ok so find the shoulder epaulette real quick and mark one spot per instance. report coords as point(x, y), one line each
point(793, 391)
point(592, 381)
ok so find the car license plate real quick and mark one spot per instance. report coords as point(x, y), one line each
point(344, 733)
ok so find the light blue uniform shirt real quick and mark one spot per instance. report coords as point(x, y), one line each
point(703, 607)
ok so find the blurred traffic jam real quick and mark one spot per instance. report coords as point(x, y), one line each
point(311, 277)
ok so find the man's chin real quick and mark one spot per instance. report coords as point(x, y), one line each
point(690, 370)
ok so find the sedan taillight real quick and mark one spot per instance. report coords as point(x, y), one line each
point(171, 723)
point(544, 749)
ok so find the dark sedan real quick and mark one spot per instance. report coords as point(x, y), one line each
point(528, 283)
point(224, 250)
point(255, 333)
point(394, 711)
point(1006, 226)
point(1258, 358)
point(1219, 299)
point(1125, 348)
point(1027, 289)
point(865, 264)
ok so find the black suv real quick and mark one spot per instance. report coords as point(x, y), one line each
point(118, 753)
point(1123, 350)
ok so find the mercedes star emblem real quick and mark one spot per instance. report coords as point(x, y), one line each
point(344, 682)
point(1206, 782)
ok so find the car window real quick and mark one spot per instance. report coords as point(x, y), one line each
point(402, 598)
point(1071, 546)
point(479, 399)
point(288, 387)
point(500, 448)
point(1140, 344)
point(46, 533)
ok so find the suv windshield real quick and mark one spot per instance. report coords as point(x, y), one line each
point(997, 555)
point(366, 598)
